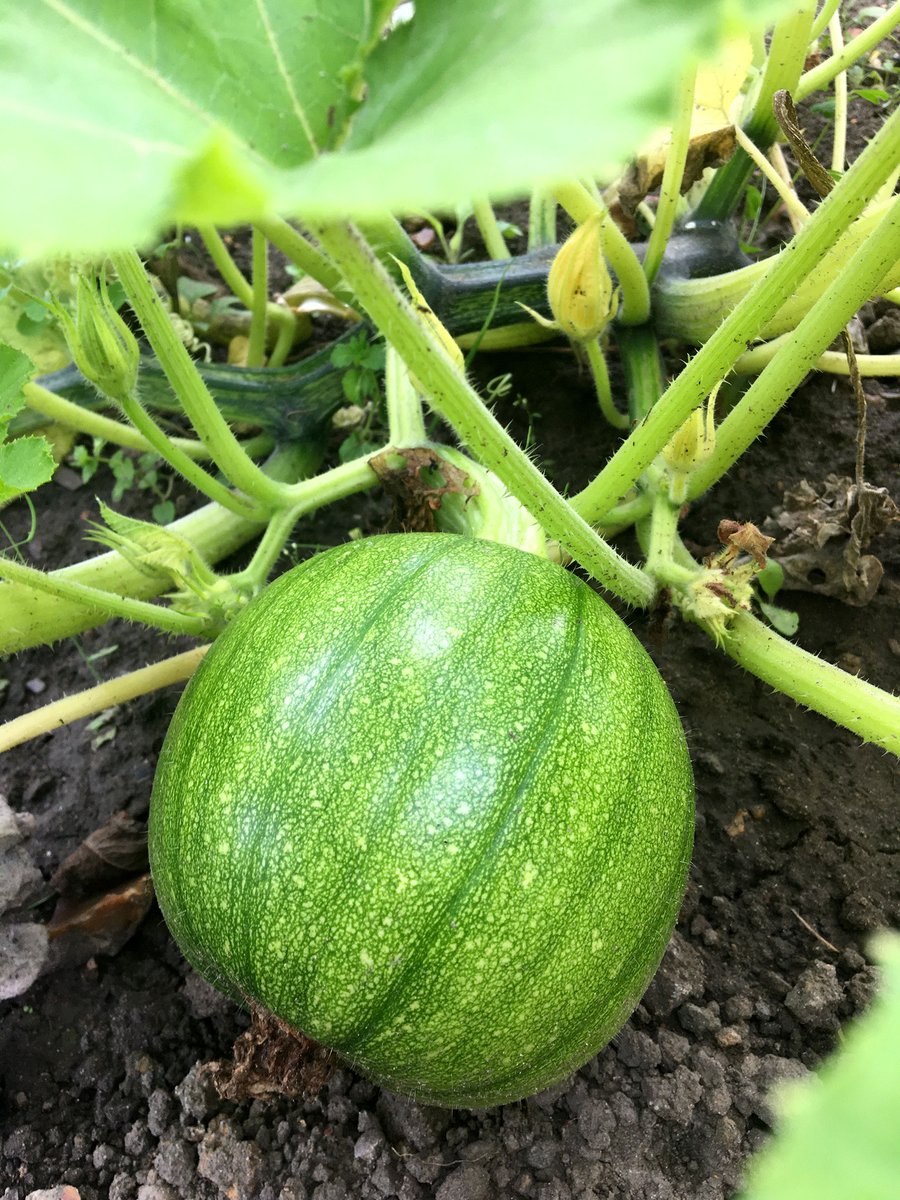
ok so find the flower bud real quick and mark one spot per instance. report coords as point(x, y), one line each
point(690, 445)
point(579, 285)
point(102, 346)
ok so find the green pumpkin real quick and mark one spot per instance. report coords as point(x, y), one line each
point(429, 801)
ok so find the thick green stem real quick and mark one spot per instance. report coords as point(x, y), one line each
point(268, 549)
point(83, 420)
point(301, 252)
point(451, 395)
point(225, 265)
point(663, 527)
point(827, 11)
point(541, 219)
point(867, 711)
point(205, 483)
point(94, 700)
point(107, 603)
point(726, 344)
point(31, 618)
point(639, 352)
point(784, 64)
point(406, 422)
point(673, 174)
point(813, 335)
point(193, 394)
point(819, 77)
point(489, 228)
point(839, 146)
point(256, 342)
point(597, 362)
point(580, 204)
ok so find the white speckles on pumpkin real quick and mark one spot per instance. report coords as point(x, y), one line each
point(415, 818)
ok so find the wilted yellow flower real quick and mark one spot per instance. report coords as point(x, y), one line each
point(580, 289)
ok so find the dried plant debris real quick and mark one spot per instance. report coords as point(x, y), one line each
point(823, 533)
point(272, 1059)
point(101, 924)
point(23, 943)
point(417, 480)
point(115, 851)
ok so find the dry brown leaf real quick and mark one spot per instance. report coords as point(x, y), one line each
point(823, 533)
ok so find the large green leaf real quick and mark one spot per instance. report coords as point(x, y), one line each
point(841, 1135)
point(120, 117)
point(27, 462)
point(108, 106)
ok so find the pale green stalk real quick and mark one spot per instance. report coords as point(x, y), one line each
point(541, 219)
point(745, 323)
point(818, 78)
point(663, 527)
point(269, 547)
point(96, 699)
point(284, 339)
point(869, 712)
point(798, 213)
point(301, 252)
point(282, 318)
point(839, 147)
point(832, 362)
point(406, 423)
point(256, 342)
point(452, 396)
point(489, 228)
point(827, 11)
point(189, 387)
point(84, 420)
point(196, 476)
point(580, 204)
point(107, 603)
point(597, 362)
point(231, 274)
point(776, 160)
point(673, 174)
point(798, 356)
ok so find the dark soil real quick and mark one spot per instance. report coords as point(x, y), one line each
point(102, 1063)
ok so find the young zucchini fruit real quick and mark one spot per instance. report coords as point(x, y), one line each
point(428, 801)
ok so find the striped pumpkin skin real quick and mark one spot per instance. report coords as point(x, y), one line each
point(429, 801)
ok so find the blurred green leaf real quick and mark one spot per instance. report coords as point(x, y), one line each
point(841, 1134)
point(196, 112)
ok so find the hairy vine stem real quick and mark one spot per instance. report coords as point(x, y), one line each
point(452, 396)
point(747, 320)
